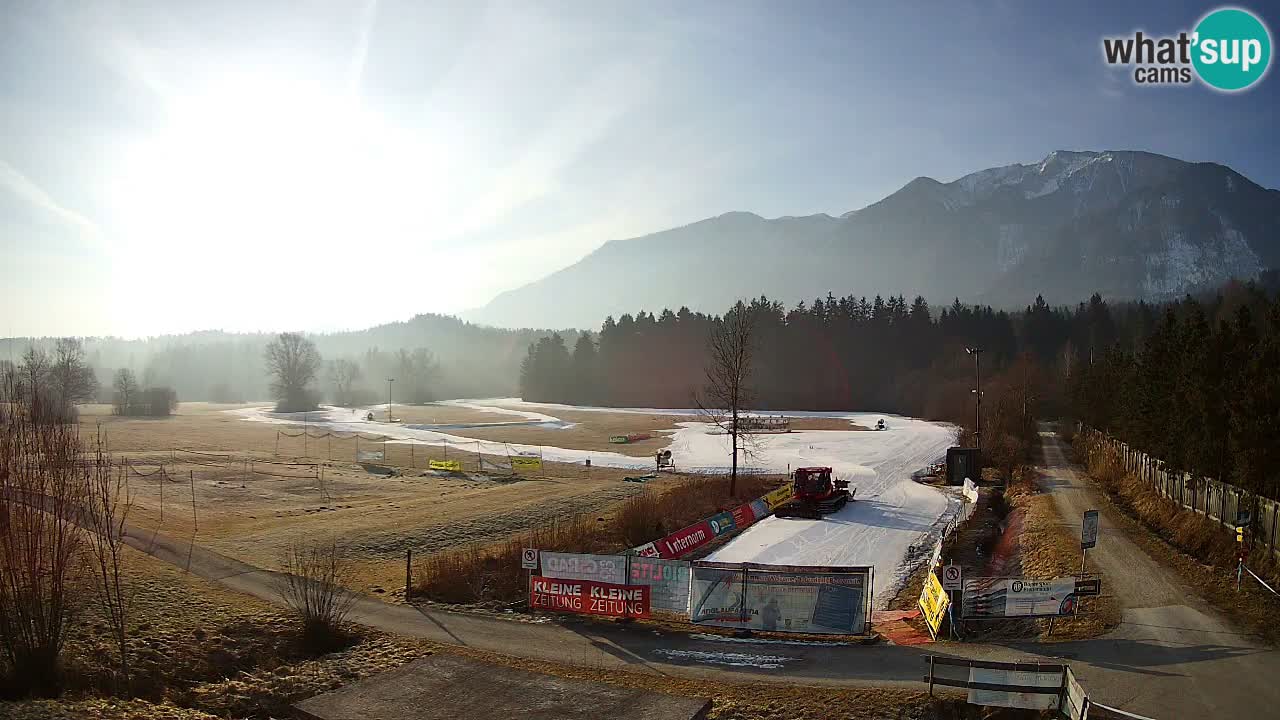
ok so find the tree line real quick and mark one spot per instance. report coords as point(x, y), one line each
point(1200, 391)
point(889, 355)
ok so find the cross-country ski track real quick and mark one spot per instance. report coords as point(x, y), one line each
point(890, 512)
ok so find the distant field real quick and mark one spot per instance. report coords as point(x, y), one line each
point(252, 509)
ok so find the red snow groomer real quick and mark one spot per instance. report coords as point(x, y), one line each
point(815, 492)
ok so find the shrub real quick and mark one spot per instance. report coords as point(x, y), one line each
point(314, 584)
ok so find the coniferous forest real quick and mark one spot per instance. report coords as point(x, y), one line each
point(1196, 382)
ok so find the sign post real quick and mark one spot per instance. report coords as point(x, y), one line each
point(952, 577)
point(1239, 555)
point(1088, 536)
point(529, 562)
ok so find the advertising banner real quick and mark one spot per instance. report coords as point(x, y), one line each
point(588, 598)
point(721, 523)
point(369, 456)
point(451, 465)
point(649, 550)
point(577, 566)
point(933, 603)
point(1089, 530)
point(667, 580)
point(970, 491)
point(760, 509)
point(780, 598)
point(989, 597)
point(743, 516)
point(685, 540)
point(519, 462)
point(777, 497)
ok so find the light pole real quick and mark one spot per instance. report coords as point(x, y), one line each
point(389, 381)
point(976, 352)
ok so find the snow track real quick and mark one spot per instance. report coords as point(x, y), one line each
point(889, 514)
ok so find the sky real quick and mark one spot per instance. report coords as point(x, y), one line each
point(167, 167)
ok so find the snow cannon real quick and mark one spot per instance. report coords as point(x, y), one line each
point(881, 426)
point(815, 492)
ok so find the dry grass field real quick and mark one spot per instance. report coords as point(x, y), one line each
point(249, 505)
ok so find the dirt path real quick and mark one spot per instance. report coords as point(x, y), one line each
point(1179, 657)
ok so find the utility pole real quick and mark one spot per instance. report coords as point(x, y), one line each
point(976, 352)
point(389, 381)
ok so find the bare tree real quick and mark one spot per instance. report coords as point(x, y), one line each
point(416, 370)
point(106, 508)
point(343, 375)
point(42, 490)
point(314, 583)
point(126, 391)
point(293, 361)
point(728, 391)
point(70, 377)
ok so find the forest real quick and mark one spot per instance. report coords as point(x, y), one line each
point(1193, 382)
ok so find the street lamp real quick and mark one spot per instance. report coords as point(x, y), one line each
point(389, 381)
point(976, 352)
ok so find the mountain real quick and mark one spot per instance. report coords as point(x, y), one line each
point(1127, 224)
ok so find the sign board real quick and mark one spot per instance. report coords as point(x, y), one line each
point(522, 462)
point(721, 523)
point(933, 603)
point(781, 598)
point(588, 598)
point(1089, 530)
point(951, 576)
point(369, 455)
point(1243, 517)
point(618, 439)
point(779, 496)
point(1000, 698)
point(993, 597)
point(577, 566)
point(450, 465)
point(668, 582)
point(529, 559)
point(1086, 587)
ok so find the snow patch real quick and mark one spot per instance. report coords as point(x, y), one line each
point(731, 659)
point(764, 641)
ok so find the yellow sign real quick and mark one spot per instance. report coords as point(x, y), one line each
point(525, 463)
point(779, 496)
point(451, 465)
point(933, 603)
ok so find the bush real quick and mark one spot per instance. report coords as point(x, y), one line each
point(314, 585)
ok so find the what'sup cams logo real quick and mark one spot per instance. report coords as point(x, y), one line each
point(1229, 50)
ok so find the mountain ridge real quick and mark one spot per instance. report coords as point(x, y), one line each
point(1134, 224)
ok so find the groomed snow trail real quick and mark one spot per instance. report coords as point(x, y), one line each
point(889, 514)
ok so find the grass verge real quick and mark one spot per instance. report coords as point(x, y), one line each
point(1202, 552)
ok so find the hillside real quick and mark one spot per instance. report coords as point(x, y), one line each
point(1132, 225)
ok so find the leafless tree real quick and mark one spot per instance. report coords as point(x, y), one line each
point(293, 361)
point(106, 508)
point(126, 391)
point(70, 377)
point(41, 493)
point(728, 392)
point(343, 375)
point(314, 583)
point(416, 370)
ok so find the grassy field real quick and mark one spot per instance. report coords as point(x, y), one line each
point(251, 507)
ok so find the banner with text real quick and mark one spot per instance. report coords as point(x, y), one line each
point(781, 598)
point(667, 580)
point(520, 462)
point(450, 465)
point(993, 597)
point(588, 598)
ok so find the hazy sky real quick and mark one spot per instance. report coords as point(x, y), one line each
point(167, 166)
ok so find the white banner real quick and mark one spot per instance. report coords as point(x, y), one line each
point(575, 566)
point(970, 491)
point(991, 597)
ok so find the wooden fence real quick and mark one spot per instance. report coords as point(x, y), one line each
point(1216, 500)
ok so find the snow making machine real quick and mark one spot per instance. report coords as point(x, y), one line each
point(815, 492)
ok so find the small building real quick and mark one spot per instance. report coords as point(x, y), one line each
point(963, 463)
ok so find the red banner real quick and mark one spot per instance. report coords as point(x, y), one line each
point(685, 540)
point(743, 516)
point(589, 598)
